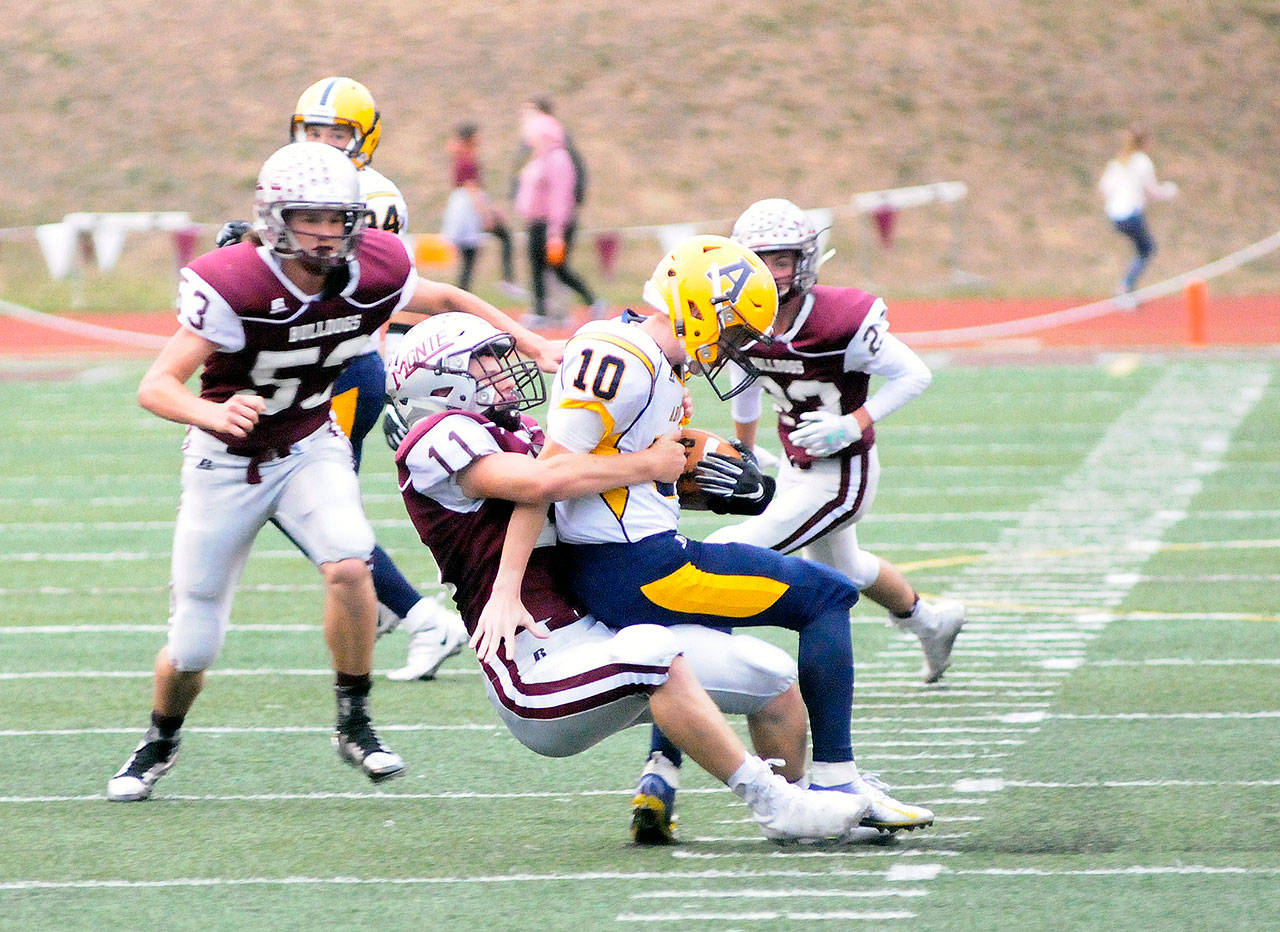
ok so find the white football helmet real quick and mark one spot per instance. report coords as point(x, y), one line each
point(458, 362)
point(308, 176)
point(777, 225)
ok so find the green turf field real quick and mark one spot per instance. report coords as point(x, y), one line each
point(1103, 753)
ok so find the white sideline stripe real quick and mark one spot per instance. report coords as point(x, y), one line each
point(663, 876)
point(808, 893)
point(894, 871)
point(969, 552)
point(1100, 526)
point(148, 674)
point(768, 916)
point(238, 730)
point(1113, 871)
point(797, 852)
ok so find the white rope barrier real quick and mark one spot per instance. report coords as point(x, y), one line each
point(1024, 325)
point(82, 328)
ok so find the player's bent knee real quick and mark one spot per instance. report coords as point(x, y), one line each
point(648, 644)
point(864, 568)
point(348, 572)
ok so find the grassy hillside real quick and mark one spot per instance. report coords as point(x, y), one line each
point(690, 111)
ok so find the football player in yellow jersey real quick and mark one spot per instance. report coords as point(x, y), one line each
point(620, 386)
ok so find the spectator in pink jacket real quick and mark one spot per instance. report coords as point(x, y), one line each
point(545, 198)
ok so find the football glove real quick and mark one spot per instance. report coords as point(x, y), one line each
point(232, 232)
point(393, 427)
point(735, 486)
point(822, 433)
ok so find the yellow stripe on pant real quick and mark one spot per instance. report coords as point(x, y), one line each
point(344, 409)
point(692, 590)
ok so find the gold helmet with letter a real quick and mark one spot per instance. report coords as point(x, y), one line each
point(720, 298)
point(339, 101)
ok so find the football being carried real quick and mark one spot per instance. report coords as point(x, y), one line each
point(721, 476)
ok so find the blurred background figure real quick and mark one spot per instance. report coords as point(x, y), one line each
point(470, 213)
point(547, 195)
point(1128, 181)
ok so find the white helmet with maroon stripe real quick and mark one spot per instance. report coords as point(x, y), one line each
point(308, 176)
point(458, 362)
point(777, 225)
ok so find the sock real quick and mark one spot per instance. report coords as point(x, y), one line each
point(750, 774)
point(832, 773)
point(393, 590)
point(827, 687)
point(167, 725)
point(659, 764)
point(659, 742)
point(911, 611)
point(353, 684)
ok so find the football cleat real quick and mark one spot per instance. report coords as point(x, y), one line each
point(150, 761)
point(884, 813)
point(947, 620)
point(436, 635)
point(653, 809)
point(788, 814)
point(358, 744)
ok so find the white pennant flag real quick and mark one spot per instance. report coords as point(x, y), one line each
point(58, 244)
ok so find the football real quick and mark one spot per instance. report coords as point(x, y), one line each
point(697, 444)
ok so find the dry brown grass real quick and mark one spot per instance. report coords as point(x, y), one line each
point(689, 111)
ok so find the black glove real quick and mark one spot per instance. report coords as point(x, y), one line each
point(735, 486)
point(232, 232)
point(393, 427)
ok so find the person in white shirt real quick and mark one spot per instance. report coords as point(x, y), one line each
point(1127, 183)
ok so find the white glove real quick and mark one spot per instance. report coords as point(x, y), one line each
point(822, 433)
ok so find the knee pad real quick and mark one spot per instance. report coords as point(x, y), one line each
point(864, 568)
point(196, 633)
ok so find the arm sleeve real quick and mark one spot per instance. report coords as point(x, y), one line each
point(877, 351)
point(746, 406)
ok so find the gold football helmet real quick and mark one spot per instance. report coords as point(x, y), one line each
point(720, 298)
point(338, 101)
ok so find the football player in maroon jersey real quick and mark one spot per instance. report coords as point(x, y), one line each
point(827, 344)
point(560, 680)
point(270, 327)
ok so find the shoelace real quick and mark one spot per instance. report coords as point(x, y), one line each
point(150, 754)
point(360, 732)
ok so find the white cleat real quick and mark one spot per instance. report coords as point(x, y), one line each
point(884, 813)
point(436, 635)
point(947, 618)
point(788, 814)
